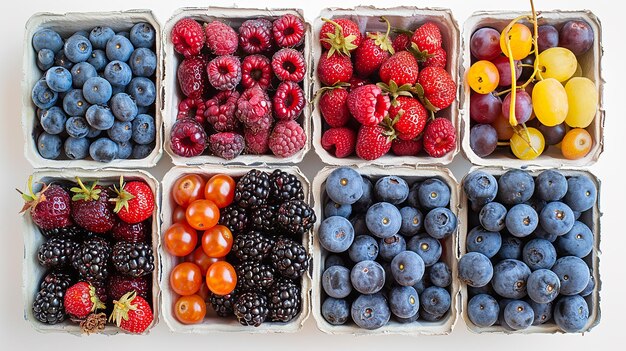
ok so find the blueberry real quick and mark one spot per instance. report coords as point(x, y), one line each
point(49, 145)
point(99, 36)
point(483, 241)
point(550, 185)
point(422, 284)
point(336, 234)
point(577, 214)
point(142, 151)
point(391, 189)
point(433, 193)
point(440, 223)
point(409, 320)
point(77, 127)
point(81, 72)
point(74, 104)
point(403, 301)
point(363, 248)
point(98, 59)
point(389, 247)
point(59, 79)
point(142, 90)
point(82, 33)
point(336, 282)
point(143, 62)
point(76, 148)
point(389, 281)
point(412, 220)
point(123, 107)
point(103, 150)
point(440, 275)
point(540, 233)
point(427, 247)
point(581, 193)
point(367, 198)
point(515, 187)
point(93, 132)
point(118, 73)
point(45, 59)
point(407, 268)
point(333, 260)
point(77, 48)
point(124, 150)
point(367, 277)
point(142, 35)
point(334, 209)
point(537, 204)
point(358, 223)
point(577, 242)
point(344, 186)
point(53, 120)
point(571, 313)
point(370, 311)
point(429, 317)
point(509, 278)
point(492, 216)
point(335, 311)
point(97, 90)
point(143, 109)
point(61, 60)
point(590, 286)
point(519, 314)
point(124, 34)
point(542, 311)
point(144, 130)
point(556, 218)
point(121, 131)
point(511, 248)
point(502, 303)
point(435, 300)
point(483, 310)
point(486, 289)
point(480, 187)
point(573, 273)
point(47, 39)
point(100, 117)
point(475, 269)
point(413, 199)
point(538, 254)
point(543, 286)
point(43, 97)
point(119, 48)
point(383, 220)
point(521, 220)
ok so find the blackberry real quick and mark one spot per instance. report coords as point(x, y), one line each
point(57, 252)
point(101, 289)
point(263, 218)
point(251, 309)
point(223, 304)
point(48, 305)
point(235, 218)
point(254, 276)
point(289, 258)
point(91, 259)
point(296, 217)
point(133, 259)
point(251, 246)
point(284, 187)
point(283, 300)
point(252, 189)
point(72, 231)
point(57, 280)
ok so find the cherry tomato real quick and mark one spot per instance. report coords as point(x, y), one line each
point(186, 278)
point(179, 215)
point(190, 309)
point(217, 241)
point(221, 278)
point(202, 214)
point(203, 292)
point(180, 239)
point(220, 189)
point(188, 189)
point(202, 260)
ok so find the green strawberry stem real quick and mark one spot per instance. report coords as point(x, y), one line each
point(383, 41)
point(97, 304)
point(394, 90)
point(31, 199)
point(339, 43)
point(123, 197)
point(337, 85)
point(420, 55)
point(84, 193)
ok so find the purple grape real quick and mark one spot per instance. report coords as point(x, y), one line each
point(553, 135)
point(547, 37)
point(485, 44)
point(527, 71)
point(523, 106)
point(483, 139)
point(577, 36)
point(485, 108)
point(504, 69)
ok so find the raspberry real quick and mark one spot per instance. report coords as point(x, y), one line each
point(289, 65)
point(188, 37)
point(191, 76)
point(406, 147)
point(368, 104)
point(439, 137)
point(287, 138)
point(224, 72)
point(256, 70)
point(255, 36)
point(226, 145)
point(220, 111)
point(334, 107)
point(288, 101)
point(188, 138)
point(288, 31)
point(221, 38)
point(254, 109)
point(342, 140)
point(257, 143)
point(191, 107)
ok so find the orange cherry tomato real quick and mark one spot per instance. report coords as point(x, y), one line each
point(202, 260)
point(190, 309)
point(203, 292)
point(220, 189)
point(217, 241)
point(180, 239)
point(186, 278)
point(178, 215)
point(188, 189)
point(202, 214)
point(221, 278)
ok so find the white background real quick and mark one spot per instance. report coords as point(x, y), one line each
point(15, 332)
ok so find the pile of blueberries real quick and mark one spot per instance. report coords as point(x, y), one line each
point(384, 242)
point(96, 96)
point(529, 253)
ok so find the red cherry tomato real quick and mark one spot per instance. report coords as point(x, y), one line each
point(202, 214)
point(202, 260)
point(221, 278)
point(188, 189)
point(220, 189)
point(178, 215)
point(186, 278)
point(217, 241)
point(180, 239)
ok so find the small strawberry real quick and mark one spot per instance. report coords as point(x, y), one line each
point(49, 208)
point(402, 41)
point(192, 77)
point(427, 37)
point(356, 82)
point(375, 49)
point(135, 232)
point(435, 88)
point(341, 140)
point(333, 105)
point(373, 142)
point(341, 35)
point(401, 68)
point(134, 202)
point(81, 300)
point(334, 69)
point(91, 208)
point(406, 147)
point(188, 37)
point(368, 104)
point(409, 117)
point(439, 137)
point(132, 313)
point(438, 59)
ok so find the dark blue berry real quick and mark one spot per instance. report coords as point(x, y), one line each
point(49, 145)
point(433, 193)
point(475, 269)
point(492, 216)
point(515, 187)
point(344, 186)
point(76, 148)
point(119, 48)
point(363, 248)
point(77, 48)
point(143, 62)
point(53, 120)
point(336, 234)
point(142, 35)
point(509, 278)
point(47, 39)
point(407, 268)
point(142, 90)
point(103, 150)
point(81, 72)
point(336, 282)
point(367, 277)
point(391, 189)
point(383, 219)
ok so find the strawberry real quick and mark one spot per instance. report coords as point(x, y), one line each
point(438, 59)
point(373, 142)
point(427, 37)
point(91, 208)
point(341, 35)
point(402, 41)
point(81, 299)
point(192, 77)
point(439, 137)
point(401, 68)
point(134, 202)
point(333, 106)
point(375, 49)
point(132, 313)
point(49, 208)
point(341, 140)
point(334, 69)
point(435, 88)
point(368, 104)
point(406, 147)
point(409, 117)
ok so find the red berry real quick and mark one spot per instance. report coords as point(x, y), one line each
point(220, 111)
point(439, 137)
point(411, 117)
point(370, 55)
point(221, 39)
point(256, 70)
point(356, 82)
point(226, 145)
point(401, 68)
point(91, 208)
point(134, 202)
point(224, 72)
point(406, 147)
point(333, 105)
point(255, 36)
point(192, 76)
point(401, 42)
point(341, 140)
point(188, 37)
point(427, 37)
point(287, 138)
point(119, 284)
point(368, 104)
point(49, 208)
point(288, 101)
point(135, 232)
point(288, 31)
point(439, 59)
point(372, 142)
point(188, 138)
point(334, 69)
point(254, 109)
point(340, 35)
point(439, 88)
point(257, 143)
point(289, 65)
point(191, 108)
point(132, 313)
point(81, 299)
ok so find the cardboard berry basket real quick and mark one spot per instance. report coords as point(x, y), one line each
point(234, 17)
point(420, 327)
point(405, 17)
point(33, 272)
point(591, 218)
point(590, 62)
point(67, 24)
point(213, 323)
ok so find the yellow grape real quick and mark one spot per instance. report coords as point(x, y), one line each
point(558, 63)
point(582, 98)
point(550, 102)
point(483, 77)
point(521, 146)
point(521, 40)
